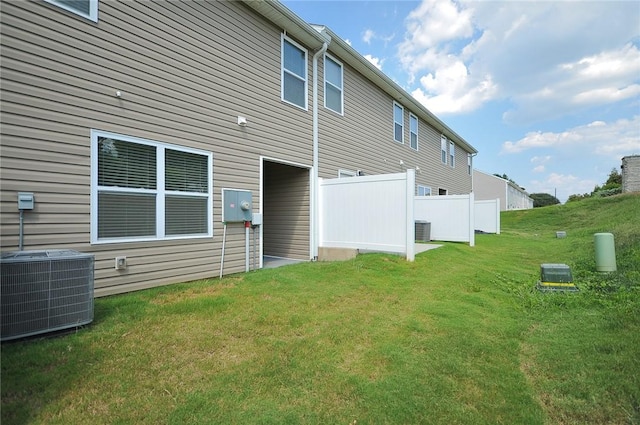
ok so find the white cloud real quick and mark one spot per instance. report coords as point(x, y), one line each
point(454, 90)
point(539, 162)
point(561, 185)
point(595, 80)
point(613, 140)
point(375, 61)
point(547, 59)
point(540, 159)
point(368, 35)
point(437, 21)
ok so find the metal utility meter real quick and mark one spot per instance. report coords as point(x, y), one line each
point(25, 200)
point(236, 205)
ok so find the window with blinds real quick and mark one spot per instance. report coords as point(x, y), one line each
point(147, 190)
point(413, 131)
point(398, 123)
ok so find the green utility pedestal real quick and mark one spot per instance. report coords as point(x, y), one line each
point(605, 252)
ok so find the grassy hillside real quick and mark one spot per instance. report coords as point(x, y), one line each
point(458, 336)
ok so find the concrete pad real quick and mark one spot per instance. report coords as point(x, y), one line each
point(273, 262)
point(422, 247)
point(336, 254)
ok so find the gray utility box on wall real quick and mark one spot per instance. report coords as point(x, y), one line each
point(423, 231)
point(236, 205)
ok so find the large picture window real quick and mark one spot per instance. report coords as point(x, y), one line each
point(85, 8)
point(145, 190)
point(294, 73)
point(333, 94)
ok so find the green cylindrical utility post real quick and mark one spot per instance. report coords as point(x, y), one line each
point(605, 252)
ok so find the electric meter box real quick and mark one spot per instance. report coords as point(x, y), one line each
point(236, 205)
point(25, 201)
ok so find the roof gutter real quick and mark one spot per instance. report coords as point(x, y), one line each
point(284, 18)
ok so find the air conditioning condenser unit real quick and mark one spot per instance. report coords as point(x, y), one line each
point(44, 291)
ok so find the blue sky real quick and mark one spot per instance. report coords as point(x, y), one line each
point(548, 92)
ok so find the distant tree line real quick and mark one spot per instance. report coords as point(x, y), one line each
point(543, 199)
point(612, 186)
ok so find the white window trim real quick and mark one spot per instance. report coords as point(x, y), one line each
point(284, 38)
point(333, 85)
point(452, 154)
point(160, 190)
point(424, 189)
point(93, 9)
point(396, 122)
point(443, 150)
point(413, 117)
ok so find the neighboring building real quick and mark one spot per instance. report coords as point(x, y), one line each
point(126, 119)
point(631, 173)
point(512, 197)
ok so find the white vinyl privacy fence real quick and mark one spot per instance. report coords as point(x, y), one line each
point(451, 217)
point(487, 216)
point(378, 213)
point(368, 212)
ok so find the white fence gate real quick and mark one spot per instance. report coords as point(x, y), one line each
point(368, 212)
point(451, 216)
point(487, 216)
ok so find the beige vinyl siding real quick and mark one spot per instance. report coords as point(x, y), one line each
point(362, 139)
point(286, 218)
point(486, 187)
point(185, 70)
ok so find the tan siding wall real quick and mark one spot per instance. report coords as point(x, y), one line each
point(362, 139)
point(185, 70)
point(286, 211)
point(488, 187)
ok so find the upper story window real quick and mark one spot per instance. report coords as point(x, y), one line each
point(294, 73)
point(333, 92)
point(469, 163)
point(423, 190)
point(443, 149)
point(398, 123)
point(85, 8)
point(145, 190)
point(413, 131)
point(452, 154)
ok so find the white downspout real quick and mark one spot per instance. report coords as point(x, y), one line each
point(315, 211)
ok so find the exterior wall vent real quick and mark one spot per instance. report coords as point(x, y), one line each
point(45, 291)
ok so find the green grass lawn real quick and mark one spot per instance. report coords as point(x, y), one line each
point(460, 336)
